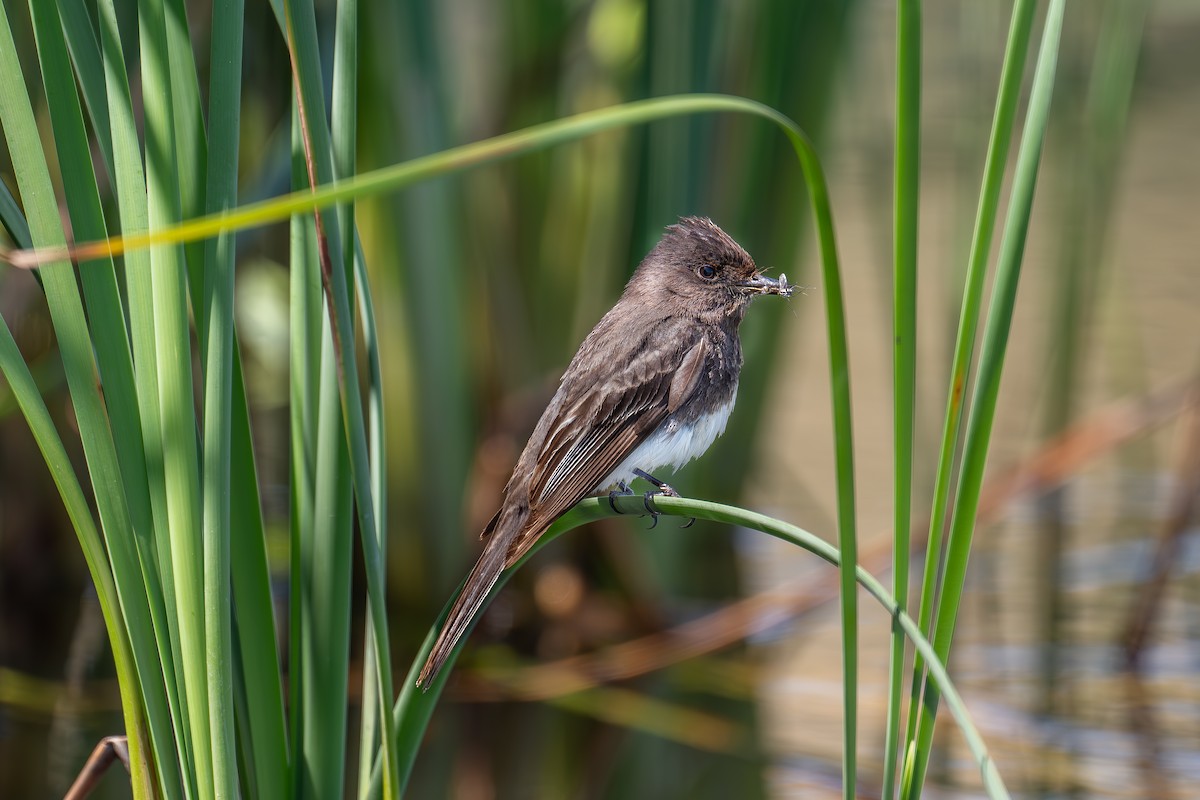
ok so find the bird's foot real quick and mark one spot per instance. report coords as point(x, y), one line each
point(622, 490)
point(661, 488)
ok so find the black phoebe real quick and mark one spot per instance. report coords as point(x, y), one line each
point(651, 386)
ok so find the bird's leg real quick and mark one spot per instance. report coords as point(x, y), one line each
point(663, 488)
point(622, 490)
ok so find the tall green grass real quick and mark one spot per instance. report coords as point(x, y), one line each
point(145, 327)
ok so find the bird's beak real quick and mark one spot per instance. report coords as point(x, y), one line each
point(761, 284)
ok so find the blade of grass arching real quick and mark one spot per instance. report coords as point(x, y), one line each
point(225, 96)
point(991, 364)
point(173, 362)
point(66, 310)
point(906, 220)
point(132, 203)
point(409, 730)
point(398, 176)
point(300, 30)
point(414, 706)
point(985, 222)
point(843, 437)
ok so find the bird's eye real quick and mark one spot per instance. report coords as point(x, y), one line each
point(707, 271)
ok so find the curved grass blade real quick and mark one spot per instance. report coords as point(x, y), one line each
point(414, 707)
point(397, 176)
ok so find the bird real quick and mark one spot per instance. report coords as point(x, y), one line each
point(651, 386)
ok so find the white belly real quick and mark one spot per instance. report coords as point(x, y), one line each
point(672, 445)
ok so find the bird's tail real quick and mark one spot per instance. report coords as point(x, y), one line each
point(475, 590)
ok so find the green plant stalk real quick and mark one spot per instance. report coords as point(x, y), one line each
point(173, 353)
point(191, 147)
point(225, 83)
point(839, 378)
point(327, 636)
point(99, 280)
point(177, 772)
point(991, 364)
point(906, 222)
point(304, 362)
point(67, 313)
point(414, 707)
point(999, 143)
point(300, 30)
point(369, 738)
point(256, 635)
point(108, 333)
point(322, 586)
point(344, 135)
point(89, 71)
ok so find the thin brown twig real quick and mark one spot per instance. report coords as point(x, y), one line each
point(110, 749)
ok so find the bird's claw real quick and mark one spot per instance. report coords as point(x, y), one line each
point(663, 488)
point(651, 510)
point(622, 490)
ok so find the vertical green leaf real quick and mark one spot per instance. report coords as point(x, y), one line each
point(225, 94)
point(906, 221)
point(67, 313)
point(180, 459)
point(132, 203)
point(991, 364)
point(964, 345)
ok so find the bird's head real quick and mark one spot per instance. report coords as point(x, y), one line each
point(700, 266)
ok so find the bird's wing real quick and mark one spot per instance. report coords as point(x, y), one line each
point(597, 430)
